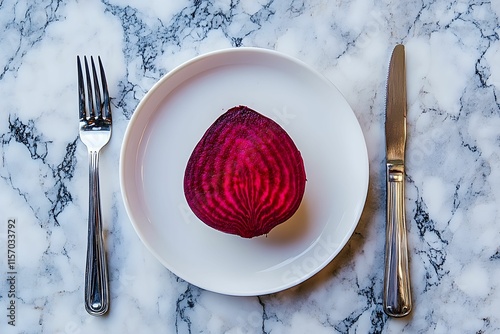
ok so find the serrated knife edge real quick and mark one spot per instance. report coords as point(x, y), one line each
point(395, 124)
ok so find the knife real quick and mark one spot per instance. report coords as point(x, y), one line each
point(397, 294)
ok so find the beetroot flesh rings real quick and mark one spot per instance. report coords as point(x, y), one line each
point(245, 176)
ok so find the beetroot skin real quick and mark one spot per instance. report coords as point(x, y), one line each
point(245, 176)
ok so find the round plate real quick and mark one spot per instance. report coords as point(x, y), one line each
point(172, 118)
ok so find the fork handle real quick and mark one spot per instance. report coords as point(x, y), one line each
point(96, 272)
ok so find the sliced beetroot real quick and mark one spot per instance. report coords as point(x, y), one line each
point(246, 175)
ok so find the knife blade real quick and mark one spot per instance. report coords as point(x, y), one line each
point(397, 294)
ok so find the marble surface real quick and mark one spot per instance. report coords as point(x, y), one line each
point(453, 161)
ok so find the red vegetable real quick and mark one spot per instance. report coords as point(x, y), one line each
point(246, 175)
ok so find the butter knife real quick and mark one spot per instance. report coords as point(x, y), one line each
point(397, 294)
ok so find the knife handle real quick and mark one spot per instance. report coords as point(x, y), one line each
point(397, 294)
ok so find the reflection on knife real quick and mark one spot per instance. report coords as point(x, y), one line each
point(397, 295)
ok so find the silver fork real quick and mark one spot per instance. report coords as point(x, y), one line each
point(95, 131)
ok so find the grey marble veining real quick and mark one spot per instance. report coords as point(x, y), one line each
point(453, 161)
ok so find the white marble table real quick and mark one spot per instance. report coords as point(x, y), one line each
point(453, 161)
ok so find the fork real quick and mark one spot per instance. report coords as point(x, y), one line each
point(95, 132)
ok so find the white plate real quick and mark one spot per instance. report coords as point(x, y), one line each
point(172, 118)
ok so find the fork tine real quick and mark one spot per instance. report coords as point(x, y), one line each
point(97, 91)
point(81, 90)
point(106, 114)
point(90, 96)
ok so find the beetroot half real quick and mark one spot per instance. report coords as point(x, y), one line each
point(246, 175)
